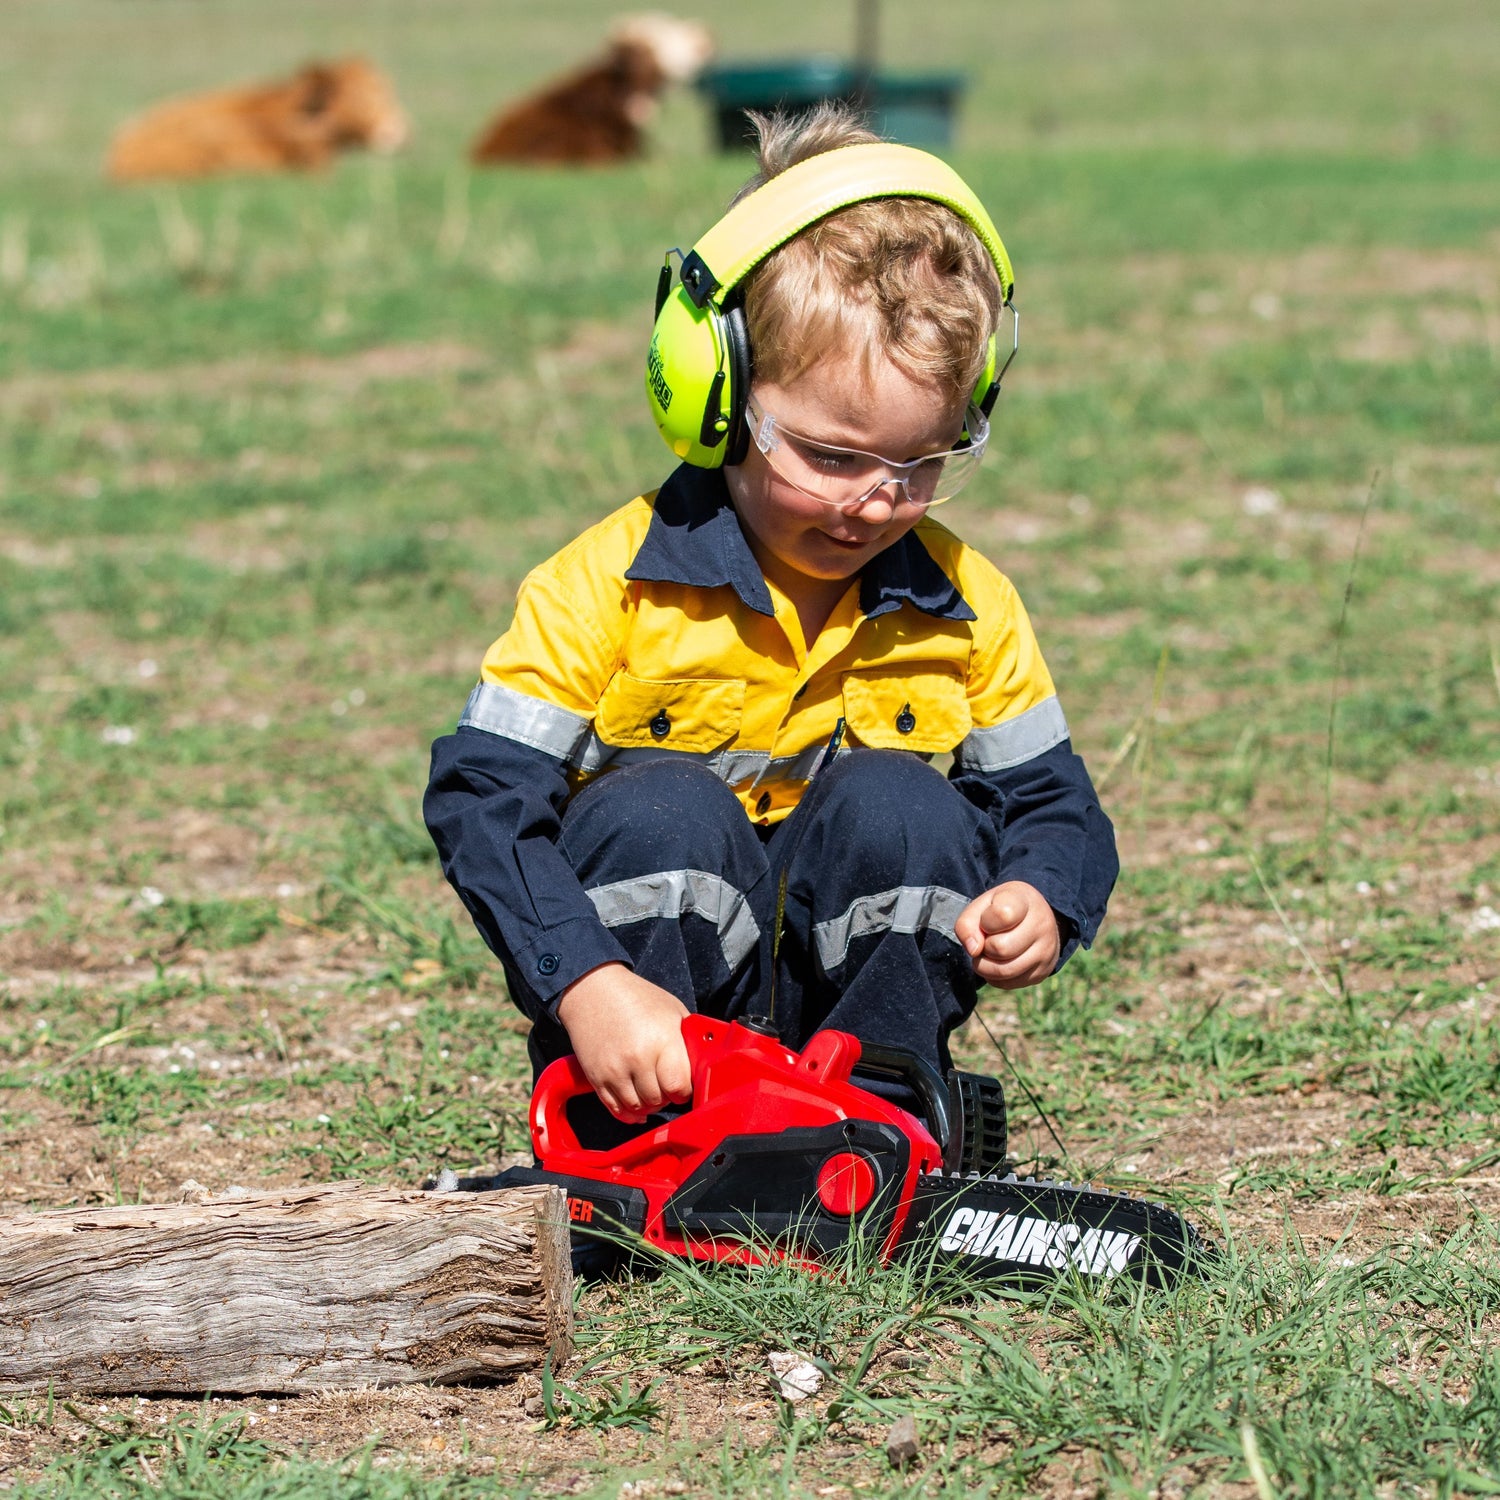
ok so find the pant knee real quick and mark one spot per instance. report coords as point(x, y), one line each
point(672, 866)
point(655, 816)
point(888, 810)
point(885, 776)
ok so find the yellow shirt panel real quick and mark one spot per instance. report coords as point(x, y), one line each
point(651, 668)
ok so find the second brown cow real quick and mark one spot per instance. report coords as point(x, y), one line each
point(596, 114)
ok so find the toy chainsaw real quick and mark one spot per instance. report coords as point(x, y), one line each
point(782, 1154)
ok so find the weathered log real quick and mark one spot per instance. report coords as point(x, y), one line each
point(329, 1287)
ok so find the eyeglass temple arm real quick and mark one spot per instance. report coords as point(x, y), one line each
point(993, 394)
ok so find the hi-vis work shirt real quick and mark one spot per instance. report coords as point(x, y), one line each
point(655, 634)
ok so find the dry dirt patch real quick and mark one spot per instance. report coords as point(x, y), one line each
point(481, 1430)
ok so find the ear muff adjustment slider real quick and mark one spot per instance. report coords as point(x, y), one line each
point(697, 280)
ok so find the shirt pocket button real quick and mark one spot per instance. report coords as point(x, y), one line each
point(906, 720)
point(661, 725)
point(763, 806)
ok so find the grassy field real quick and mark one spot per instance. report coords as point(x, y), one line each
point(273, 459)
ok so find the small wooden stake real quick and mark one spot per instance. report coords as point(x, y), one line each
point(320, 1288)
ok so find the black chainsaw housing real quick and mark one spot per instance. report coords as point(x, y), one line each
point(964, 1111)
point(605, 1208)
point(765, 1187)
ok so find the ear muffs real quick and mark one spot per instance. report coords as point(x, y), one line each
point(698, 364)
point(698, 379)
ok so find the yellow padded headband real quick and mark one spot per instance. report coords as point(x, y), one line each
point(793, 199)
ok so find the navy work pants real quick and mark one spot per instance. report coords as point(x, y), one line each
point(880, 857)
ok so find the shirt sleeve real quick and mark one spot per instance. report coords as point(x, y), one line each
point(494, 809)
point(1018, 765)
point(498, 785)
point(1053, 835)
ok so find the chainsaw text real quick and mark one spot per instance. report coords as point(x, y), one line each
point(1038, 1242)
point(580, 1210)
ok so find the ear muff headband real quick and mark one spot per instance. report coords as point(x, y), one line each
point(697, 369)
point(790, 201)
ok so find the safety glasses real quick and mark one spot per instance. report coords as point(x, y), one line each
point(848, 477)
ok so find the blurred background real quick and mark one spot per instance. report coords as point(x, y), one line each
point(1334, 76)
point(276, 450)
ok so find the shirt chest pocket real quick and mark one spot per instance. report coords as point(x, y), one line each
point(695, 714)
point(923, 711)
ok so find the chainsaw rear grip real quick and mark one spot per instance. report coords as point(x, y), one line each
point(830, 1057)
point(564, 1080)
point(551, 1130)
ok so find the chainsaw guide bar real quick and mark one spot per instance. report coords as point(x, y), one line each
point(1025, 1231)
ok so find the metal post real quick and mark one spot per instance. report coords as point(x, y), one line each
point(866, 52)
point(866, 35)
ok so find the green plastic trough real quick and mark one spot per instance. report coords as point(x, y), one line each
point(915, 108)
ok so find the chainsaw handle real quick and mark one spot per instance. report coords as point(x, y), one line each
point(830, 1058)
point(919, 1076)
point(564, 1080)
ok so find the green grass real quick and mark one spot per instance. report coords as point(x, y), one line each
point(274, 456)
point(215, 1455)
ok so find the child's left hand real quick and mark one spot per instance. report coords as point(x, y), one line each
point(1011, 936)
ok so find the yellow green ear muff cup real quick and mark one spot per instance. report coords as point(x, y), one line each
point(697, 379)
point(698, 362)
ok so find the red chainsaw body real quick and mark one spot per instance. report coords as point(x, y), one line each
point(747, 1087)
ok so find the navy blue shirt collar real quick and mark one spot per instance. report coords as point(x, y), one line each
point(695, 539)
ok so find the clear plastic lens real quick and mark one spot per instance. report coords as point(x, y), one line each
point(850, 476)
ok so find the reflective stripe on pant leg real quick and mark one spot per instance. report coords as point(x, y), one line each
point(675, 893)
point(873, 825)
point(907, 909)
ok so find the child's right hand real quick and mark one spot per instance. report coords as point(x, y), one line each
point(627, 1034)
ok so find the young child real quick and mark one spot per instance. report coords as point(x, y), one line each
point(716, 708)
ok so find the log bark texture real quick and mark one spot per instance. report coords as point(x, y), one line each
point(321, 1288)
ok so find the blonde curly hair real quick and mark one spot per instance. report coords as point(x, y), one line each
point(901, 277)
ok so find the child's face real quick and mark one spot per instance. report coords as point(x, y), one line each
point(796, 537)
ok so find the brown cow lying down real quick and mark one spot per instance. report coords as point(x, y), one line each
point(597, 113)
point(294, 124)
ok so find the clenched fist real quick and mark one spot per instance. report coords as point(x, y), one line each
point(1010, 934)
point(627, 1034)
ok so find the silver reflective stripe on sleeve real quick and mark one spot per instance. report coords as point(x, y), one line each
point(1015, 741)
point(674, 893)
point(907, 908)
point(527, 720)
